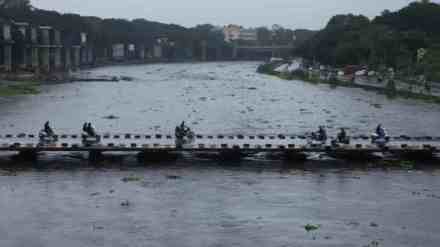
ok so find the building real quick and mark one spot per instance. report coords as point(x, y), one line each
point(118, 52)
point(248, 35)
point(6, 43)
point(235, 32)
point(231, 32)
point(32, 48)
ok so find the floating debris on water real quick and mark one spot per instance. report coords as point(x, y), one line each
point(125, 203)
point(111, 117)
point(131, 179)
point(310, 227)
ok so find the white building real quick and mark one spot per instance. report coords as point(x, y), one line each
point(235, 32)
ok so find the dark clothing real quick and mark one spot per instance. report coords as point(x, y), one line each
point(48, 129)
point(380, 132)
point(322, 134)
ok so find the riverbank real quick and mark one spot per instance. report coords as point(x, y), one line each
point(392, 89)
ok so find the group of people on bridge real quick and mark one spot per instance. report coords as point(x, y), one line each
point(379, 136)
point(89, 129)
point(185, 135)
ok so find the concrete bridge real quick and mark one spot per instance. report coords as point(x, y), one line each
point(274, 50)
point(239, 145)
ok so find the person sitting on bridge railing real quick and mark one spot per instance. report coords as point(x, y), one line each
point(85, 127)
point(380, 132)
point(183, 134)
point(321, 135)
point(47, 129)
point(343, 137)
point(179, 133)
point(91, 130)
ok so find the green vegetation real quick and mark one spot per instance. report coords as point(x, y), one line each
point(131, 178)
point(404, 164)
point(310, 227)
point(392, 39)
point(18, 88)
point(408, 165)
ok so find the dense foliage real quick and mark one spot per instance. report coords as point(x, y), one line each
point(390, 40)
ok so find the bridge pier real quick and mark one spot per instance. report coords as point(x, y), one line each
point(27, 155)
point(231, 155)
point(95, 156)
point(419, 155)
point(295, 156)
point(156, 156)
point(204, 52)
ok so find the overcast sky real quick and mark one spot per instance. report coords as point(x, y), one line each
point(250, 13)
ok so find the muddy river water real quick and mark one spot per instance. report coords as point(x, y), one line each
point(64, 201)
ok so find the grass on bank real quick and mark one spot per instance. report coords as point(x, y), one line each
point(18, 88)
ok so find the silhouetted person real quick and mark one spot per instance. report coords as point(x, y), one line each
point(47, 129)
point(84, 128)
point(91, 130)
point(342, 136)
point(380, 131)
point(322, 134)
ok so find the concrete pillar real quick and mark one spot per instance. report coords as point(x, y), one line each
point(83, 54)
point(57, 58)
point(35, 58)
point(67, 59)
point(204, 50)
point(24, 58)
point(95, 156)
point(7, 57)
point(90, 56)
point(76, 57)
point(45, 59)
point(157, 51)
point(234, 51)
point(141, 52)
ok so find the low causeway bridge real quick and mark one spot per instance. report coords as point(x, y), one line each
point(30, 145)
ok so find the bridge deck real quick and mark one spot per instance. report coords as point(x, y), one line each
point(203, 143)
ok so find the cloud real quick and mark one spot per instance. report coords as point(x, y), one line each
point(289, 13)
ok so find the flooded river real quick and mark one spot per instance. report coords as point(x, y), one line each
point(64, 201)
point(227, 98)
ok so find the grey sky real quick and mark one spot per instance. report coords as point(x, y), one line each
point(289, 13)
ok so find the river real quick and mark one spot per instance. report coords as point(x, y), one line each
point(193, 202)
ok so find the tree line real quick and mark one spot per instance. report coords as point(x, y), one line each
point(407, 40)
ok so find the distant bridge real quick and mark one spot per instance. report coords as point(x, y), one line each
point(266, 47)
point(275, 50)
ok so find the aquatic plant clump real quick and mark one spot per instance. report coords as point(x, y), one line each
point(310, 227)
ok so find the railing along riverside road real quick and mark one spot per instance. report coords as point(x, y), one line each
point(248, 143)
